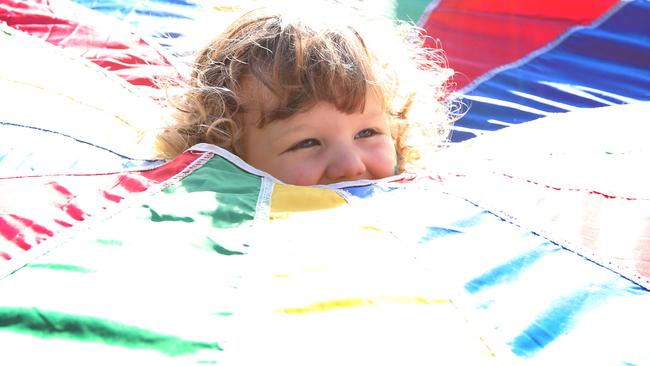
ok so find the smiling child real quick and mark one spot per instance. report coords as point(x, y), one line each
point(316, 97)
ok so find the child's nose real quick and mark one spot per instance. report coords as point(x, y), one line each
point(346, 164)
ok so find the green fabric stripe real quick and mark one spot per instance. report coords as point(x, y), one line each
point(236, 192)
point(156, 217)
point(220, 248)
point(61, 267)
point(108, 242)
point(49, 324)
point(410, 10)
point(159, 278)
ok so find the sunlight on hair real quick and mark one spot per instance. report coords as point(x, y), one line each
point(304, 52)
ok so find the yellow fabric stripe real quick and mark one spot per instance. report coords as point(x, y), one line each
point(359, 302)
point(287, 199)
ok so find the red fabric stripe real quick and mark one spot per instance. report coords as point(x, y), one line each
point(481, 35)
point(625, 244)
point(63, 223)
point(13, 234)
point(141, 181)
point(643, 252)
point(173, 167)
point(38, 229)
point(90, 35)
point(58, 203)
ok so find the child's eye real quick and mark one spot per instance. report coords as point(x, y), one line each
point(304, 144)
point(368, 132)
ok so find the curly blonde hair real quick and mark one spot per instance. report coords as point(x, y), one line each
point(308, 58)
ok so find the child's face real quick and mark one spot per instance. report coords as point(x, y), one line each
point(323, 145)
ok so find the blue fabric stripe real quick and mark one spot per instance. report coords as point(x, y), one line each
point(507, 272)
point(158, 19)
point(610, 62)
point(435, 232)
point(557, 320)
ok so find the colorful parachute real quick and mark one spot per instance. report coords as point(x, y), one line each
point(527, 245)
point(517, 62)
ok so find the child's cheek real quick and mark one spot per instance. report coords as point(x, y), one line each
point(383, 159)
point(298, 169)
point(300, 176)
